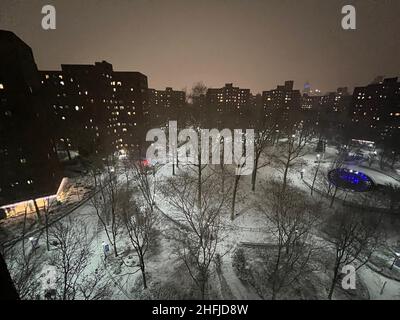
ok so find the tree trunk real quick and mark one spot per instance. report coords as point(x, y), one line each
point(332, 288)
point(381, 162)
point(285, 178)
point(115, 247)
point(47, 231)
point(254, 174)
point(7, 288)
point(37, 211)
point(315, 177)
point(199, 187)
point(68, 152)
point(142, 268)
point(203, 283)
point(234, 197)
point(333, 197)
point(393, 160)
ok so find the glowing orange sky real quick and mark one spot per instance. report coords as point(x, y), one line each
point(255, 44)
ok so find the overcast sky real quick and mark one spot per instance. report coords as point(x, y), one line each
point(255, 44)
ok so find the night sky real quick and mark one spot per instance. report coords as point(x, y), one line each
point(255, 44)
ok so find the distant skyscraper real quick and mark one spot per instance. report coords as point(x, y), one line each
point(307, 88)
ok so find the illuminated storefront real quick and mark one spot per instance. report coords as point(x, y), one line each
point(28, 206)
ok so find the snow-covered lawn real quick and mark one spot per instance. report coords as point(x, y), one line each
point(249, 226)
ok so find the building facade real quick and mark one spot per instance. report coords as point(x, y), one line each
point(96, 109)
point(375, 109)
point(28, 158)
point(229, 106)
point(166, 105)
point(282, 105)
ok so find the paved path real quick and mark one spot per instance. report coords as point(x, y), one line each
point(239, 290)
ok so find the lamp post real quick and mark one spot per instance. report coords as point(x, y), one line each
point(316, 172)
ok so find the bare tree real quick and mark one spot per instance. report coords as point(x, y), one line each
point(355, 236)
point(196, 165)
point(292, 219)
point(24, 263)
point(139, 223)
point(237, 173)
point(95, 286)
point(94, 166)
point(145, 177)
point(7, 288)
point(288, 153)
point(37, 211)
point(48, 206)
point(198, 235)
point(70, 257)
point(235, 189)
point(106, 202)
point(392, 194)
point(264, 135)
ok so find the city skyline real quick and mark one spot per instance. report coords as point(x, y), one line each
point(178, 44)
point(226, 151)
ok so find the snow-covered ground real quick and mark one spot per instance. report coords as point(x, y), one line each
point(249, 226)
